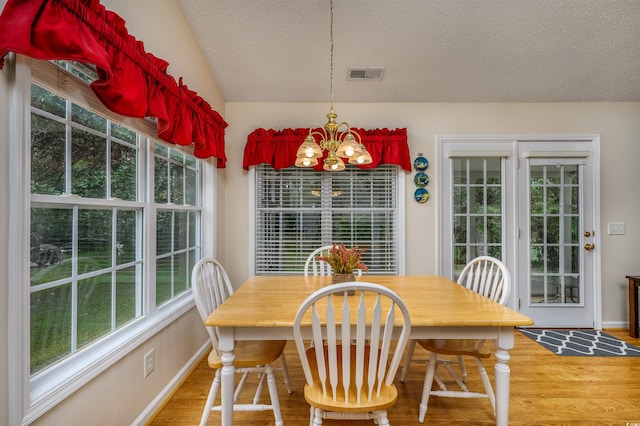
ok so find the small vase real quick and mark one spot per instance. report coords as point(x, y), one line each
point(343, 278)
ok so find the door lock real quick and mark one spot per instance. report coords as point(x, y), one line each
point(587, 234)
point(589, 247)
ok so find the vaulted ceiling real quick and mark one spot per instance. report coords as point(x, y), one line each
point(431, 50)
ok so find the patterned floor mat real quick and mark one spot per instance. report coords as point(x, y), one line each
point(581, 342)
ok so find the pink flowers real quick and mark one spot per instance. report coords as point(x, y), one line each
point(343, 260)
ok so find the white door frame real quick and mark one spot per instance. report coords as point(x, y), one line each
point(510, 142)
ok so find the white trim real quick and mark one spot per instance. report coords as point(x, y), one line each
point(208, 222)
point(555, 154)
point(573, 161)
point(252, 221)
point(18, 295)
point(597, 264)
point(455, 154)
point(401, 221)
point(613, 325)
point(157, 403)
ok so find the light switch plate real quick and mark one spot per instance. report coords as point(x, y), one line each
point(148, 363)
point(616, 228)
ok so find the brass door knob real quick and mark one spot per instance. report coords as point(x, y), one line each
point(589, 247)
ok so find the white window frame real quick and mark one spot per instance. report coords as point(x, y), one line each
point(400, 220)
point(29, 399)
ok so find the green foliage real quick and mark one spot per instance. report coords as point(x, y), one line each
point(343, 260)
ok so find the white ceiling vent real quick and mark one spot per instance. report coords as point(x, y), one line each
point(365, 74)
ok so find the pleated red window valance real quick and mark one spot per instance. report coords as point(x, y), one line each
point(278, 147)
point(131, 82)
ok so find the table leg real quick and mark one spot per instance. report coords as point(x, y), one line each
point(504, 342)
point(633, 307)
point(227, 375)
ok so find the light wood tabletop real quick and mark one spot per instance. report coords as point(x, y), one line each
point(272, 301)
point(264, 308)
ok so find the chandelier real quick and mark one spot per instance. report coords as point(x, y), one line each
point(338, 139)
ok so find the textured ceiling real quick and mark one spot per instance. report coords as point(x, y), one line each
point(432, 50)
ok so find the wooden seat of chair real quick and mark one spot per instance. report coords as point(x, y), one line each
point(315, 396)
point(455, 347)
point(250, 353)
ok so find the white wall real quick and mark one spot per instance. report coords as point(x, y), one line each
point(617, 123)
point(121, 393)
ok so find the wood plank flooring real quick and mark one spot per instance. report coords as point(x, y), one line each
point(545, 390)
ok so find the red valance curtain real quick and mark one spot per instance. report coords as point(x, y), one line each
point(131, 82)
point(278, 147)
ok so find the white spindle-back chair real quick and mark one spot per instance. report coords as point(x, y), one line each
point(489, 277)
point(350, 368)
point(211, 286)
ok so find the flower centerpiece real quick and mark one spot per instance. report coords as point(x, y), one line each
point(343, 261)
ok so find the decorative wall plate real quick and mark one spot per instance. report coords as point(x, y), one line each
point(421, 179)
point(421, 195)
point(420, 163)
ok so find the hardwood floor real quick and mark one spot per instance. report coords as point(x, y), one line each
point(545, 390)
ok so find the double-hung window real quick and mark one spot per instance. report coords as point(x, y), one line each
point(112, 225)
point(298, 210)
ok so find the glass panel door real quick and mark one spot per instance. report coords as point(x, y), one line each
point(554, 215)
point(533, 203)
point(556, 266)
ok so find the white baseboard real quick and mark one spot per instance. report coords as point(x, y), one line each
point(615, 324)
point(168, 390)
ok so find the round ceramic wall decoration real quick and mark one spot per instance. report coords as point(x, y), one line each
point(420, 163)
point(421, 195)
point(421, 179)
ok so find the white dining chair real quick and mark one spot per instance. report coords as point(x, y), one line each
point(316, 267)
point(352, 380)
point(489, 277)
point(211, 286)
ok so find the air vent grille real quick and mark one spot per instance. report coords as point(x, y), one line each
point(365, 74)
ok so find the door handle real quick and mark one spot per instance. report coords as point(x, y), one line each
point(589, 246)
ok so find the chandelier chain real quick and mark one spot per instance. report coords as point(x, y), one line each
point(331, 56)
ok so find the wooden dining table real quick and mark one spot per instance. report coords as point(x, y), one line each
point(264, 307)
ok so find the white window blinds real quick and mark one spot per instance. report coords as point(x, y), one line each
point(299, 210)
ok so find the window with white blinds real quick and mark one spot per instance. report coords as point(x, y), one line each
point(299, 210)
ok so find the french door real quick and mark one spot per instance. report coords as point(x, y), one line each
point(558, 242)
point(531, 202)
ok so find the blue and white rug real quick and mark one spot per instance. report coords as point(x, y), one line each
point(581, 342)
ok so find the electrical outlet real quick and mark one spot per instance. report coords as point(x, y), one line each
point(616, 228)
point(148, 363)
